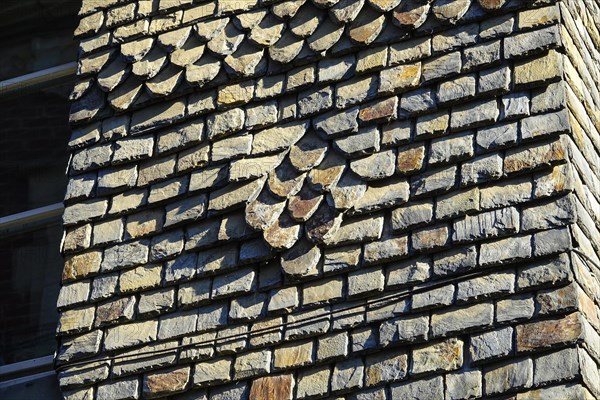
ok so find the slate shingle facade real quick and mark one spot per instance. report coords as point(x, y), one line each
point(333, 199)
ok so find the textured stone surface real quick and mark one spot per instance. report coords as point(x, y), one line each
point(493, 344)
point(162, 383)
point(516, 375)
point(462, 318)
point(385, 368)
point(293, 355)
point(331, 199)
point(442, 356)
point(432, 388)
point(278, 387)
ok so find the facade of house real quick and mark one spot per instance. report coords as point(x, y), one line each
point(353, 199)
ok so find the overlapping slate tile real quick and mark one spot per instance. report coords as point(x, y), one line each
point(367, 26)
point(285, 181)
point(227, 41)
point(325, 36)
point(203, 71)
point(384, 5)
point(151, 64)
point(247, 60)
point(124, 96)
point(267, 32)
point(244, 38)
point(173, 40)
point(303, 205)
point(287, 9)
point(94, 63)
point(286, 48)
point(306, 21)
point(250, 19)
point(188, 53)
point(135, 50)
point(411, 14)
point(450, 10)
point(113, 75)
point(207, 30)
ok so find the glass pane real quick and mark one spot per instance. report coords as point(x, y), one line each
point(45, 387)
point(31, 266)
point(34, 133)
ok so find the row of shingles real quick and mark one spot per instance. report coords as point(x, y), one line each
point(168, 82)
point(80, 137)
point(90, 100)
point(165, 84)
point(556, 360)
point(450, 386)
point(159, 24)
point(114, 73)
point(159, 171)
point(523, 310)
point(156, 60)
point(228, 38)
point(147, 277)
point(79, 141)
point(580, 69)
point(441, 118)
point(582, 100)
point(437, 357)
point(484, 349)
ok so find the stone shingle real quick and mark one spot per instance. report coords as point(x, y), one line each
point(429, 388)
point(482, 54)
point(516, 375)
point(347, 375)
point(399, 79)
point(474, 114)
point(441, 356)
point(545, 68)
point(462, 88)
point(523, 44)
point(436, 180)
point(313, 382)
point(284, 255)
point(442, 66)
point(295, 354)
point(449, 149)
point(355, 91)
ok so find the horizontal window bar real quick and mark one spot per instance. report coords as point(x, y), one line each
point(25, 368)
point(30, 219)
point(46, 77)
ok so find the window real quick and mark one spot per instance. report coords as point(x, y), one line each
point(36, 76)
point(34, 131)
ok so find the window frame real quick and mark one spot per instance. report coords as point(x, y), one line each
point(34, 369)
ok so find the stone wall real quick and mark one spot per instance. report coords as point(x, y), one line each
point(580, 92)
point(321, 199)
